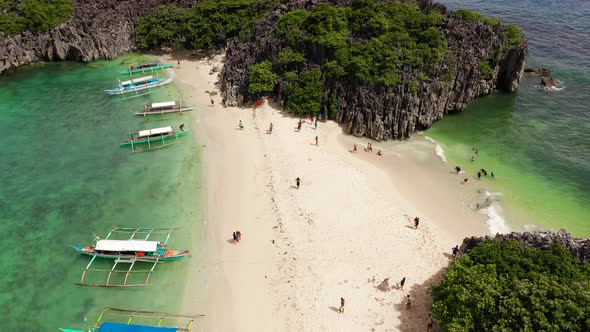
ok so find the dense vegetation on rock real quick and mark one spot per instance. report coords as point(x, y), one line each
point(369, 41)
point(206, 26)
point(262, 79)
point(505, 286)
point(33, 15)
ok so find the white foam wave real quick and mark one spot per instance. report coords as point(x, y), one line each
point(438, 150)
point(559, 86)
point(495, 222)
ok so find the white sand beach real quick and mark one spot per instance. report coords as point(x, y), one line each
point(346, 229)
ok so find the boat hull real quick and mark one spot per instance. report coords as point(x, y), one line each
point(146, 70)
point(153, 139)
point(165, 111)
point(156, 83)
point(172, 257)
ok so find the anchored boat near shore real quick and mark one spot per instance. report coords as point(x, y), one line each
point(133, 250)
point(145, 67)
point(139, 84)
point(120, 320)
point(164, 108)
point(155, 135)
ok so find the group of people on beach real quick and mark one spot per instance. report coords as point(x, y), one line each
point(369, 148)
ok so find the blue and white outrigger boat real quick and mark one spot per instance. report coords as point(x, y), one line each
point(139, 84)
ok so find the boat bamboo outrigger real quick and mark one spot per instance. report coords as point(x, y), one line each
point(164, 108)
point(145, 67)
point(123, 320)
point(138, 248)
point(155, 135)
point(139, 84)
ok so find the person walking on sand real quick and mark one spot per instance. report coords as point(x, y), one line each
point(341, 309)
point(298, 182)
point(238, 235)
point(240, 125)
point(408, 302)
point(354, 148)
point(315, 124)
point(235, 237)
point(316, 141)
point(416, 222)
point(212, 102)
point(379, 153)
point(400, 285)
point(270, 128)
point(299, 125)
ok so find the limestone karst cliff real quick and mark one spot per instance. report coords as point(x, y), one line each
point(388, 112)
point(98, 29)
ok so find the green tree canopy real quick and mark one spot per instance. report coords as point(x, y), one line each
point(504, 286)
point(261, 77)
point(161, 28)
point(304, 96)
point(34, 15)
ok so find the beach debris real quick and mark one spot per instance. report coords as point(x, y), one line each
point(384, 285)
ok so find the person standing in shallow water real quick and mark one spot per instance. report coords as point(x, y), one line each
point(298, 182)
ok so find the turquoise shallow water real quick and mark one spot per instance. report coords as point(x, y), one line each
point(64, 177)
point(536, 141)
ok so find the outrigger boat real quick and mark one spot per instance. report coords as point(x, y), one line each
point(153, 135)
point(139, 84)
point(122, 320)
point(145, 67)
point(164, 108)
point(137, 248)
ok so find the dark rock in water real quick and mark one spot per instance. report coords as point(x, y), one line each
point(547, 82)
point(387, 112)
point(542, 71)
point(579, 248)
point(98, 29)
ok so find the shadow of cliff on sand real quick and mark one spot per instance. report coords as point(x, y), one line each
point(416, 318)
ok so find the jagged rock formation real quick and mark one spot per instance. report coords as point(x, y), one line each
point(579, 248)
point(98, 29)
point(541, 71)
point(384, 112)
point(547, 82)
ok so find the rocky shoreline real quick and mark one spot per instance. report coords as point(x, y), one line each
point(100, 29)
point(579, 248)
point(389, 112)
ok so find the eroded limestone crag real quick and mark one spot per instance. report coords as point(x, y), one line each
point(579, 248)
point(388, 112)
point(98, 29)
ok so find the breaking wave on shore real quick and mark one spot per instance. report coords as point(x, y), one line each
point(438, 150)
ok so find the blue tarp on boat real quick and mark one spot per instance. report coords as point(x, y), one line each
point(118, 327)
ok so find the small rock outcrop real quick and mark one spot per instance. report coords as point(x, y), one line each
point(547, 82)
point(388, 112)
point(579, 248)
point(541, 71)
point(98, 29)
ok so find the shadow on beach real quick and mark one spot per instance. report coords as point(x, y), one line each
point(416, 318)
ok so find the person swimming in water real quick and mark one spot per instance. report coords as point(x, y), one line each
point(493, 175)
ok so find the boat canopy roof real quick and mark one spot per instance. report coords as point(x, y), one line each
point(164, 104)
point(141, 79)
point(119, 327)
point(148, 64)
point(155, 131)
point(127, 245)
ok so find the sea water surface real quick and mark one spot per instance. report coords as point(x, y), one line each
point(65, 177)
point(536, 141)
